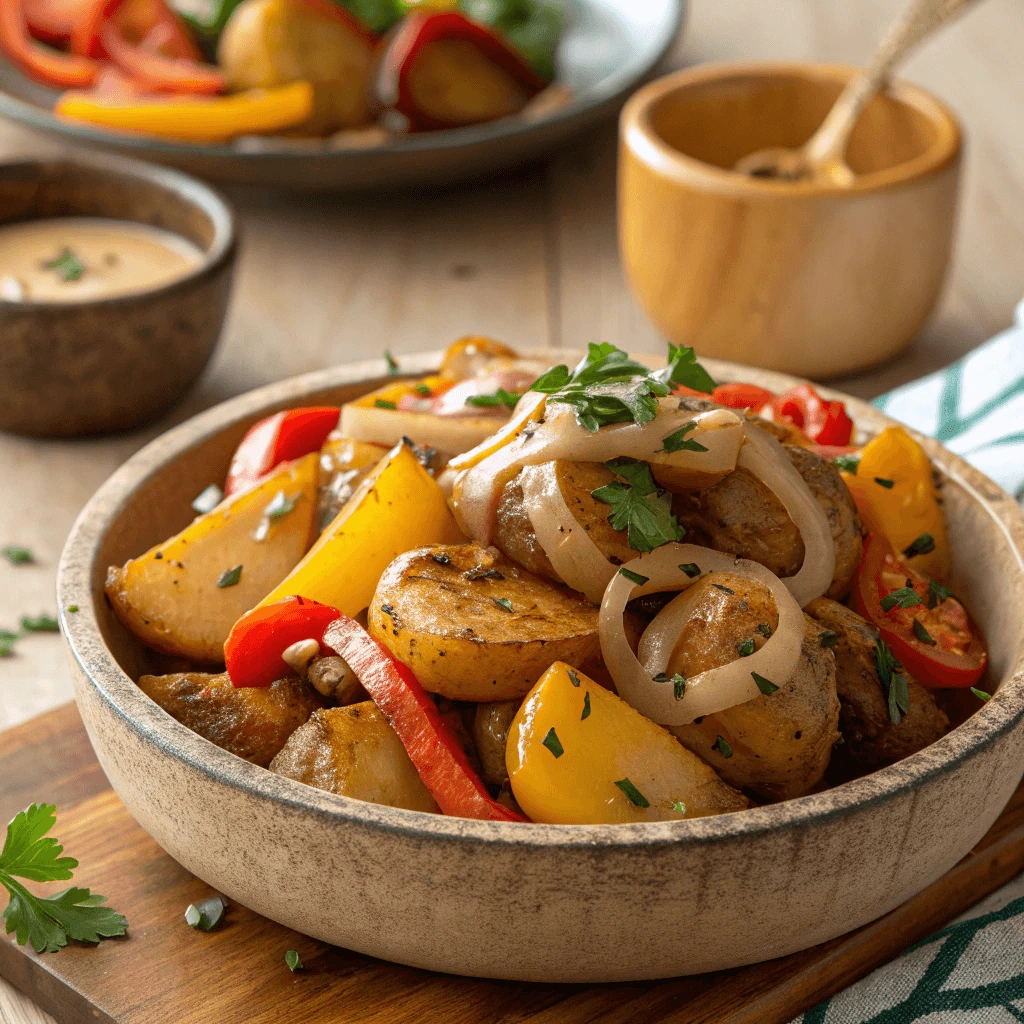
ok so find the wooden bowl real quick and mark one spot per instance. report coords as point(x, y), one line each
point(69, 368)
point(535, 902)
point(809, 278)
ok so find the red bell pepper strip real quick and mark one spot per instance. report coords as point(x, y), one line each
point(150, 24)
point(253, 649)
point(157, 72)
point(824, 422)
point(50, 67)
point(51, 21)
point(742, 396)
point(432, 747)
point(279, 438)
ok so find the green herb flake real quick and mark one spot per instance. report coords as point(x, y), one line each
point(293, 960)
point(847, 463)
point(678, 686)
point(692, 569)
point(905, 597)
point(765, 630)
point(72, 608)
point(553, 743)
point(634, 577)
point(981, 694)
point(18, 555)
point(828, 638)
point(679, 807)
point(383, 403)
point(923, 545)
point(39, 624)
point(281, 505)
point(678, 442)
point(639, 506)
point(207, 500)
point(67, 265)
point(206, 914)
point(7, 642)
point(922, 634)
point(503, 602)
point(586, 706)
point(633, 795)
point(766, 686)
point(230, 577)
point(745, 647)
point(573, 678)
point(442, 559)
point(724, 589)
point(392, 364)
point(883, 482)
point(937, 593)
point(48, 922)
point(722, 746)
point(894, 683)
point(499, 397)
point(423, 390)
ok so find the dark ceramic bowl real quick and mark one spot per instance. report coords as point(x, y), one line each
point(115, 363)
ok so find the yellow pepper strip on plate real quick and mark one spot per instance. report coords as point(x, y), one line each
point(895, 490)
point(253, 112)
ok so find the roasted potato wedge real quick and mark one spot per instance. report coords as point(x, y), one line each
point(491, 723)
point(577, 754)
point(353, 751)
point(871, 738)
point(252, 722)
point(175, 597)
point(776, 745)
point(475, 626)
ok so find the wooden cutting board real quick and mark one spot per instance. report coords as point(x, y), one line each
point(164, 972)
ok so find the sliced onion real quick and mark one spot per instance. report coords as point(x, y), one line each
point(707, 692)
point(570, 549)
point(765, 458)
point(447, 434)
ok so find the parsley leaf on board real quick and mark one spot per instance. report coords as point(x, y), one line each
point(17, 555)
point(39, 624)
point(48, 922)
point(293, 960)
point(638, 506)
point(205, 914)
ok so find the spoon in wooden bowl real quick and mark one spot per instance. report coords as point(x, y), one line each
point(822, 157)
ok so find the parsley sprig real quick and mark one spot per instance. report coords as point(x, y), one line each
point(894, 682)
point(492, 401)
point(47, 922)
point(639, 506)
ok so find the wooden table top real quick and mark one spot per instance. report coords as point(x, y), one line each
point(529, 258)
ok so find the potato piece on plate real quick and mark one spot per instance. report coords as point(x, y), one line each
point(252, 722)
point(176, 596)
point(353, 751)
point(580, 755)
point(475, 626)
point(491, 723)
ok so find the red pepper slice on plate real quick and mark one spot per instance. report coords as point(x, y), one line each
point(442, 70)
point(157, 72)
point(279, 438)
point(432, 747)
point(52, 21)
point(50, 67)
point(141, 22)
point(253, 649)
point(742, 396)
point(824, 422)
point(927, 628)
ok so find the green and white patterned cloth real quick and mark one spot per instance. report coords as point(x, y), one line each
point(971, 972)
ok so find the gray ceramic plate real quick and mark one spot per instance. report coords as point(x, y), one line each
point(609, 46)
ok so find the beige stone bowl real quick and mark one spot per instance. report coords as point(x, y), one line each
point(535, 902)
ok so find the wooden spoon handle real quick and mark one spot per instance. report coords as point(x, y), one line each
point(919, 21)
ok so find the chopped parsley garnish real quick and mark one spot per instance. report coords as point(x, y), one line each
point(386, 609)
point(679, 807)
point(981, 694)
point(894, 683)
point(723, 589)
point(230, 577)
point(766, 686)
point(633, 795)
point(392, 363)
point(765, 630)
point(442, 559)
point(634, 577)
point(500, 397)
point(678, 683)
point(39, 624)
point(7, 642)
point(423, 390)
point(48, 922)
point(923, 545)
point(205, 914)
point(883, 482)
point(553, 743)
point(293, 960)
point(586, 706)
point(67, 265)
point(745, 647)
point(573, 678)
point(937, 593)
point(280, 505)
point(905, 597)
point(722, 746)
point(678, 442)
point(922, 634)
point(480, 573)
point(18, 555)
point(383, 403)
point(207, 500)
point(847, 463)
point(692, 569)
point(503, 602)
point(828, 638)
point(639, 506)
point(72, 608)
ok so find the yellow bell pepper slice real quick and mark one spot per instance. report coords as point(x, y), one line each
point(577, 754)
point(894, 487)
point(396, 508)
point(195, 119)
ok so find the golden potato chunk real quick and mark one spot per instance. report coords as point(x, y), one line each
point(871, 738)
point(475, 626)
point(778, 744)
point(353, 751)
point(253, 722)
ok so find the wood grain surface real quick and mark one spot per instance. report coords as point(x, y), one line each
point(530, 257)
point(164, 972)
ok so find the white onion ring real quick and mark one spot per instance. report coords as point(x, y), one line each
point(570, 549)
point(707, 692)
point(388, 426)
point(767, 460)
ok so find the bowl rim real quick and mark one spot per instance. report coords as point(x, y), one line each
point(191, 191)
point(637, 133)
point(151, 725)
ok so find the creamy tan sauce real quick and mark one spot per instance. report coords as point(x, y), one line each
point(79, 258)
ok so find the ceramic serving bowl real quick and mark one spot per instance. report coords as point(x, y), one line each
point(811, 278)
point(535, 902)
point(97, 365)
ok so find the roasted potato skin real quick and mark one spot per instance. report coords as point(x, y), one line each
point(437, 610)
point(252, 722)
point(353, 751)
point(491, 724)
point(871, 738)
